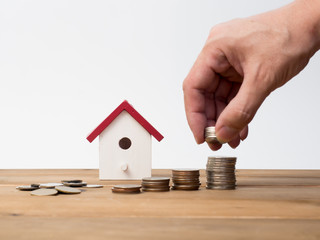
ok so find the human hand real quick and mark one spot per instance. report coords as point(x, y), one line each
point(242, 62)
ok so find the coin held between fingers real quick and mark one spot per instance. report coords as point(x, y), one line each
point(210, 135)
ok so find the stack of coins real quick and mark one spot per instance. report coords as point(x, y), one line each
point(210, 135)
point(126, 188)
point(185, 179)
point(221, 173)
point(155, 184)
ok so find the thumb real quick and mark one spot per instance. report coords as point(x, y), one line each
point(241, 110)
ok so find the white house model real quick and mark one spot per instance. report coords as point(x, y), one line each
point(124, 144)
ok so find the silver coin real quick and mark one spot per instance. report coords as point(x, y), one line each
point(44, 192)
point(50, 185)
point(221, 187)
point(156, 179)
point(69, 190)
point(71, 184)
point(26, 188)
point(37, 185)
point(72, 181)
point(221, 183)
point(223, 158)
point(93, 186)
point(219, 170)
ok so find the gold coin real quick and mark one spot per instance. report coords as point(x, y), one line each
point(156, 189)
point(125, 190)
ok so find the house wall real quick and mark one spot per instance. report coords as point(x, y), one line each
point(112, 157)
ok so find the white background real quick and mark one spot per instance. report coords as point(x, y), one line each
point(65, 65)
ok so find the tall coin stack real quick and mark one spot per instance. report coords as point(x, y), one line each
point(221, 173)
point(185, 179)
point(155, 184)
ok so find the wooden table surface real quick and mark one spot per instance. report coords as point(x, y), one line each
point(268, 204)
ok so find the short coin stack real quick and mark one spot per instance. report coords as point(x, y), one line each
point(126, 188)
point(221, 173)
point(210, 135)
point(155, 184)
point(185, 179)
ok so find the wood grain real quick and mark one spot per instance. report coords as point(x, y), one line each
point(268, 204)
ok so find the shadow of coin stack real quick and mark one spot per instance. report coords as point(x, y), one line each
point(185, 179)
point(221, 173)
point(155, 184)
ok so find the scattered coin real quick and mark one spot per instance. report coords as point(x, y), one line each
point(50, 185)
point(221, 173)
point(93, 186)
point(26, 188)
point(44, 192)
point(69, 190)
point(37, 185)
point(72, 184)
point(126, 188)
point(72, 181)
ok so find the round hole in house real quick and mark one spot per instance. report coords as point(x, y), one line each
point(125, 143)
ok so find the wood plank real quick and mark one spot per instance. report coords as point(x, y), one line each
point(265, 203)
point(26, 228)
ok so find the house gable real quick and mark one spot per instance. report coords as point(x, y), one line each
point(127, 107)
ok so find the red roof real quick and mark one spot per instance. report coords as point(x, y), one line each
point(125, 106)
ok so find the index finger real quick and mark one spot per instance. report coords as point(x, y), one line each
point(201, 81)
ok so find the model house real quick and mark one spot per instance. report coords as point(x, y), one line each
point(124, 144)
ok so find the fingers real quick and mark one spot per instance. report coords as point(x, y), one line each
point(198, 88)
point(233, 121)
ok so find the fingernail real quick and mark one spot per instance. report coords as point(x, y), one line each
point(226, 134)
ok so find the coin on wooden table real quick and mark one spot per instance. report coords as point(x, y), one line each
point(35, 185)
point(185, 171)
point(185, 187)
point(221, 179)
point(126, 188)
point(155, 184)
point(221, 183)
point(68, 190)
point(221, 187)
point(71, 184)
point(26, 188)
point(166, 189)
point(185, 179)
point(50, 185)
point(212, 160)
point(44, 192)
point(155, 179)
point(151, 185)
point(93, 186)
point(72, 181)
